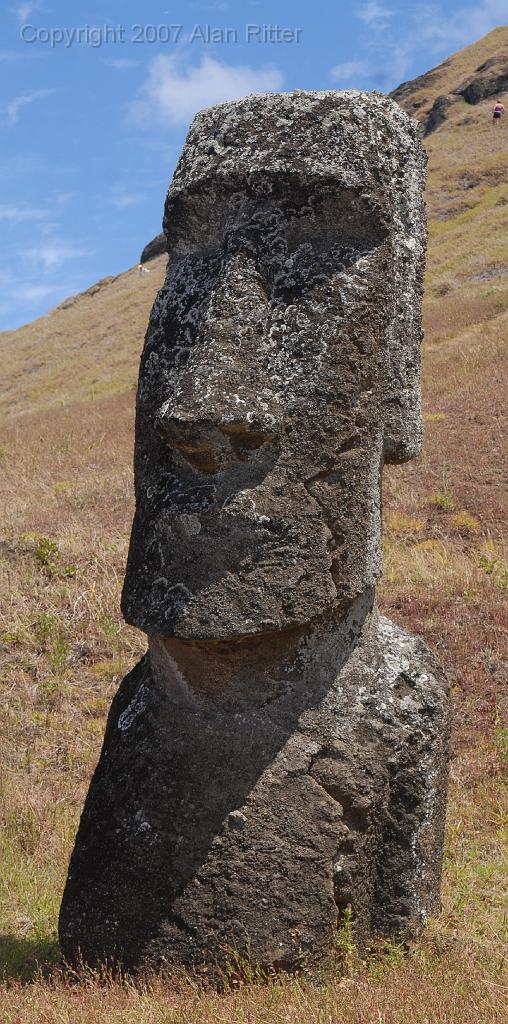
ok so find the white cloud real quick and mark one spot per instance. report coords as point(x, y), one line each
point(23, 11)
point(214, 5)
point(120, 63)
point(373, 12)
point(350, 71)
point(53, 254)
point(11, 108)
point(23, 297)
point(444, 33)
point(9, 56)
point(15, 287)
point(426, 29)
point(34, 278)
point(122, 198)
point(438, 34)
point(17, 165)
point(383, 71)
point(63, 197)
point(15, 214)
point(174, 92)
point(387, 73)
point(40, 270)
point(34, 292)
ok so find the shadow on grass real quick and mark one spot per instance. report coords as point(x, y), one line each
point(24, 959)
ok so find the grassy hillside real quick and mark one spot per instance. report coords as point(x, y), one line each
point(85, 348)
point(65, 455)
point(419, 95)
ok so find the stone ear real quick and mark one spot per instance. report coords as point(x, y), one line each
point(403, 430)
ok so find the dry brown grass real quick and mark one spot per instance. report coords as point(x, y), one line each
point(428, 987)
point(66, 488)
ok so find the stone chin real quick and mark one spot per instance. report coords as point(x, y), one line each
point(244, 574)
point(269, 559)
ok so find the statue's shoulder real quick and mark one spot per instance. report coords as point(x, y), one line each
point(396, 675)
point(131, 694)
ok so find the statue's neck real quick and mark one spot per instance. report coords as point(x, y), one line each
point(256, 670)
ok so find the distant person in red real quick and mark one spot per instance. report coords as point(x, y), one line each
point(498, 112)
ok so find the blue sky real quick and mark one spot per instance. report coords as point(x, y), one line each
point(95, 102)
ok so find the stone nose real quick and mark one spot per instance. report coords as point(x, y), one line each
point(214, 444)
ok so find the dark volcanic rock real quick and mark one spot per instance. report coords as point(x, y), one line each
point(490, 79)
point(157, 247)
point(403, 93)
point(281, 752)
point(437, 114)
point(252, 824)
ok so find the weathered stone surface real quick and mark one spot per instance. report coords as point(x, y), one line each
point(282, 356)
point(157, 247)
point(219, 820)
point(281, 751)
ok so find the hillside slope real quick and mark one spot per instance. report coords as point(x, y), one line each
point(476, 73)
point(88, 346)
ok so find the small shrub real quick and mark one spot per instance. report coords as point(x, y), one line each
point(345, 945)
point(12, 639)
point(434, 547)
point(399, 523)
point(51, 637)
point(49, 557)
point(22, 824)
point(385, 955)
point(240, 970)
point(501, 736)
point(62, 487)
point(464, 521)
point(442, 501)
point(96, 707)
point(109, 626)
point(109, 669)
point(496, 569)
point(43, 628)
point(47, 554)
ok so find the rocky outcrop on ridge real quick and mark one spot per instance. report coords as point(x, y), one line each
point(157, 247)
point(489, 79)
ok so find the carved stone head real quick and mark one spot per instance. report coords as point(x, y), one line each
point(280, 367)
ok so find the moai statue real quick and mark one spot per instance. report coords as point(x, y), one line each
point(280, 753)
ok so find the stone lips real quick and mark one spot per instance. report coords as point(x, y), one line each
point(274, 376)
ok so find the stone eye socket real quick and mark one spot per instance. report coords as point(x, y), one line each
point(288, 264)
point(300, 271)
point(295, 248)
